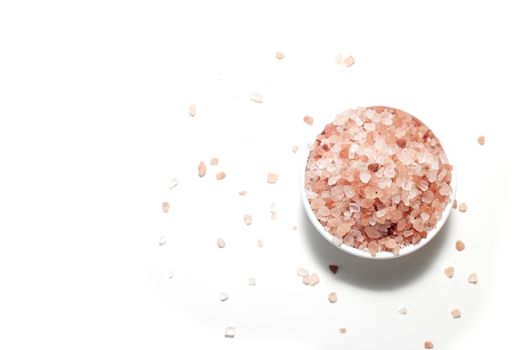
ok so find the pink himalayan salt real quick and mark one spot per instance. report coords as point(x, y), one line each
point(481, 140)
point(202, 169)
point(473, 278)
point(279, 55)
point(462, 207)
point(460, 246)
point(220, 175)
point(192, 110)
point(456, 313)
point(272, 178)
point(449, 272)
point(428, 345)
point(214, 161)
point(247, 219)
point(308, 120)
point(332, 297)
point(165, 207)
point(378, 179)
point(349, 61)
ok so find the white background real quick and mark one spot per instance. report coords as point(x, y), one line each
point(94, 123)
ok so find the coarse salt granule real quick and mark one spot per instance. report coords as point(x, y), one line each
point(473, 278)
point(272, 178)
point(165, 207)
point(247, 219)
point(308, 120)
point(343, 330)
point(279, 55)
point(220, 175)
point(295, 149)
point(229, 332)
point(449, 272)
point(256, 97)
point(192, 110)
point(214, 161)
point(455, 313)
point(462, 207)
point(377, 179)
point(260, 243)
point(428, 345)
point(403, 311)
point(301, 272)
point(223, 297)
point(314, 279)
point(171, 274)
point(243, 193)
point(162, 240)
point(349, 61)
point(460, 246)
point(332, 297)
point(307, 280)
point(481, 140)
point(252, 282)
point(202, 169)
point(221, 243)
point(454, 204)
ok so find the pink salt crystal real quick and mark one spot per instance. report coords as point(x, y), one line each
point(307, 280)
point(481, 140)
point(428, 345)
point(301, 272)
point(243, 193)
point(455, 313)
point(192, 110)
point(324, 211)
point(279, 55)
point(272, 178)
point(390, 243)
point(260, 243)
point(332, 297)
point(220, 175)
point(372, 248)
point(460, 245)
point(165, 207)
point(449, 272)
point(314, 279)
point(220, 243)
point(308, 120)
point(202, 169)
point(342, 330)
point(349, 61)
point(403, 311)
point(473, 278)
point(247, 219)
point(214, 161)
point(454, 204)
point(462, 207)
point(364, 176)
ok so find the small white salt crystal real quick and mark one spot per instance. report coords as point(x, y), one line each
point(455, 313)
point(162, 240)
point(256, 97)
point(260, 243)
point(403, 311)
point(301, 272)
point(314, 279)
point(332, 297)
point(192, 110)
point(173, 183)
point(229, 332)
point(247, 219)
point(223, 297)
point(337, 241)
point(364, 176)
point(221, 243)
point(252, 282)
point(295, 149)
point(473, 278)
point(170, 275)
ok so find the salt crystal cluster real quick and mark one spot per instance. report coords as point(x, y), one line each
point(377, 179)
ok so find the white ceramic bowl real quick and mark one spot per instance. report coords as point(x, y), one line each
point(382, 255)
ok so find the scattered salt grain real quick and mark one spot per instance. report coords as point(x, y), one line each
point(221, 243)
point(260, 243)
point(349, 61)
point(473, 278)
point(301, 272)
point(223, 297)
point(332, 297)
point(462, 207)
point(252, 282)
point(162, 240)
point(338, 58)
point(220, 175)
point(279, 55)
point(455, 313)
point(294, 228)
point(247, 219)
point(243, 193)
point(173, 183)
point(337, 241)
point(454, 204)
point(202, 169)
point(449, 272)
point(295, 149)
point(255, 97)
point(214, 161)
point(481, 140)
point(165, 207)
point(314, 279)
point(460, 246)
point(403, 311)
point(333, 268)
point(428, 345)
point(307, 280)
point(272, 178)
point(192, 111)
point(229, 332)
point(343, 330)
point(171, 274)
point(308, 120)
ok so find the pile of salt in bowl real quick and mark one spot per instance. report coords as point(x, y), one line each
point(377, 179)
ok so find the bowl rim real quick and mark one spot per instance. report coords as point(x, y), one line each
point(382, 255)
